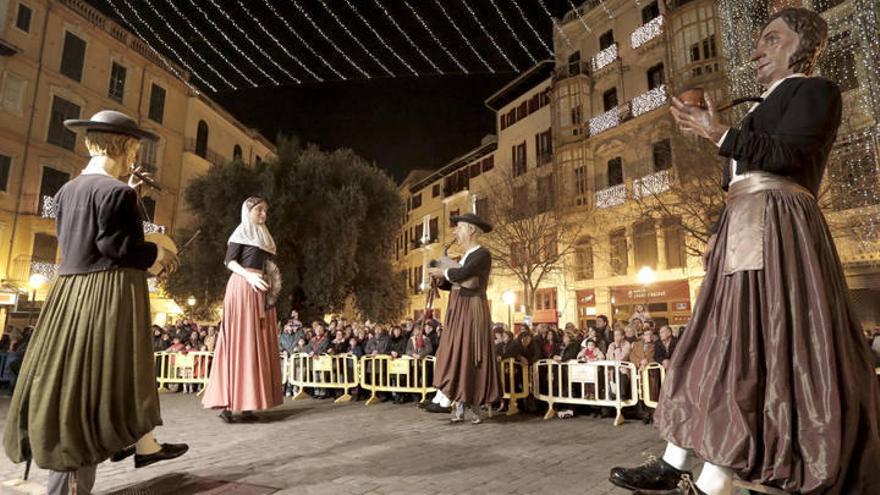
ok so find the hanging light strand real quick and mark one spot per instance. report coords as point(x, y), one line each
point(406, 36)
point(381, 40)
point(355, 39)
point(488, 35)
point(277, 42)
point(580, 16)
point(556, 24)
point(532, 28)
point(463, 37)
point(253, 43)
point(436, 39)
point(233, 44)
point(190, 48)
point(211, 45)
point(330, 41)
point(303, 41)
point(509, 28)
point(169, 65)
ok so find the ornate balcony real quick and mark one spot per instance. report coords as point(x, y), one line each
point(651, 100)
point(609, 119)
point(651, 185)
point(647, 32)
point(604, 58)
point(611, 196)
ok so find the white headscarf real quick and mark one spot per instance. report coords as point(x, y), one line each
point(251, 234)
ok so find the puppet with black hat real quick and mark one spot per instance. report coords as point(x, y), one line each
point(87, 389)
point(466, 370)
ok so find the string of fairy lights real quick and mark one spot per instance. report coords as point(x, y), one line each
point(230, 44)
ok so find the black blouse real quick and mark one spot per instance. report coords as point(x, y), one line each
point(99, 226)
point(246, 256)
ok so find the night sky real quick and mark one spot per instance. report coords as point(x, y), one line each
point(399, 120)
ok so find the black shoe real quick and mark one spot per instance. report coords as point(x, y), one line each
point(248, 417)
point(123, 454)
point(169, 451)
point(423, 405)
point(655, 475)
point(685, 487)
point(437, 408)
point(226, 416)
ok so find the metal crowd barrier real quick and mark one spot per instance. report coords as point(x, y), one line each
point(182, 367)
point(405, 375)
point(651, 379)
point(323, 371)
point(515, 383)
point(599, 383)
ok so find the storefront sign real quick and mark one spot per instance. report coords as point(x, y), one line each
point(8, 298)
point(660, 291)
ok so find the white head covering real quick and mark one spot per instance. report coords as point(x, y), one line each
point(251, 234)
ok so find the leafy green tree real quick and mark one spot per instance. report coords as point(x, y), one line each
point(333, 216)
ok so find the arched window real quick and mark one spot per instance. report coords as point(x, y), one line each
point(202, 139)
point(236, 153)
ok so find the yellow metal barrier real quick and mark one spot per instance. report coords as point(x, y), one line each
point(185, 368)
point(324, 371)
point(404, 375)
point(652, 374)
point(515, 383)
point(589, 384)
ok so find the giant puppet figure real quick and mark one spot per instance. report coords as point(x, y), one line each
point(773, 381)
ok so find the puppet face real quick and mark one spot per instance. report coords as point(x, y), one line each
point(773, 52)
point(259, 213)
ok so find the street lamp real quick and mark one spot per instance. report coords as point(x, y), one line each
point(646, 277)
point(191, 301)
point(509, 298)
point(36, 281)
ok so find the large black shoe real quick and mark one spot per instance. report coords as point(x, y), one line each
point(226, 416)
point(656, 475)
point(685, 487)
point(123, 454)
point(168, 451)
point(437, 408)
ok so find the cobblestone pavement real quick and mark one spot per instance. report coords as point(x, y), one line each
point(315, 446)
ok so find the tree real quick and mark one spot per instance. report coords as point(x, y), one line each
point(690, 190)
point(531, 237)
point(333, 217)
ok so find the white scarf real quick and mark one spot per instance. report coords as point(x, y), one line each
point(251, 234)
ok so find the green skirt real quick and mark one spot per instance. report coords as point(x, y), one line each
point(87, 386)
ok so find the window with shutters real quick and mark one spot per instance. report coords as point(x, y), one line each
point(58, 134)
point(157, 103)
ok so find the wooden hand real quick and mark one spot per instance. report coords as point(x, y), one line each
point(695, 120)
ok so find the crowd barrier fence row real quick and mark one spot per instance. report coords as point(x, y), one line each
point(613, 384)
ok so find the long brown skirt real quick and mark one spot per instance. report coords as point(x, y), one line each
point(773, 377)
point(87, 386)
point(466, 369)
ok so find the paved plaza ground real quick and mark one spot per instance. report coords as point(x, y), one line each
point(315, 446)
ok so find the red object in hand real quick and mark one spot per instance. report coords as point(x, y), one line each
point(693, 97)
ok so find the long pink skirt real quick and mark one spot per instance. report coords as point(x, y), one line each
point(245, 374)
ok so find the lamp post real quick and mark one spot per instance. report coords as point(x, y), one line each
point(36, 281)
point(191, 302)
point(509, 298)
point(646, 277)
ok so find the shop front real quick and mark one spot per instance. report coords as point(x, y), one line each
point(667, 303)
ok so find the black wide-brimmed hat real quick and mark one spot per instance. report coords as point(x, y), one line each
point(472, 219)
point(113, 122)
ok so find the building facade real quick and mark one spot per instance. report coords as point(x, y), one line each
point(591, 129)
point(63, 59)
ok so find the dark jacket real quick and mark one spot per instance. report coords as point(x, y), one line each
point(287, 342)
point(380, 344)
point(478, 264)
point(398, 345)
point(319, 345)
point(511, 349)
point(790, 133)
point(571, 351)
point(338, 347)
point(661, 353)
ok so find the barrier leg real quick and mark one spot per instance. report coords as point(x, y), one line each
point(345, 397)
point(300, 394)
point(373, 398)
point(512, 407)
point(619, 419)
point(551, 411)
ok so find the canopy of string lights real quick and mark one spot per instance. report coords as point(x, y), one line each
point(226, 45)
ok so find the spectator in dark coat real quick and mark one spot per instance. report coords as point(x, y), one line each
point(664, 346)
